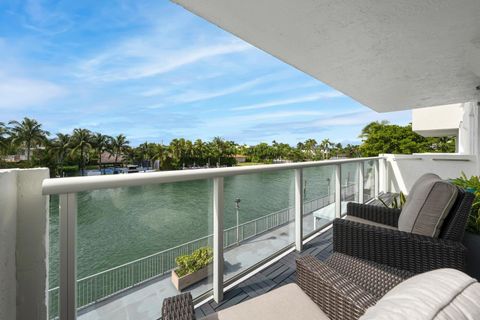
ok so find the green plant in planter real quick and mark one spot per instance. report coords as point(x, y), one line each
point(397, 202)
point(191, 263)
point(471, 184)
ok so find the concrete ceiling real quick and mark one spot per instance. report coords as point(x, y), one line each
point(389, 55)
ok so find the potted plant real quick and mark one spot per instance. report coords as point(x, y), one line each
point(472, 234)
point(397, 202)
point(192, 268)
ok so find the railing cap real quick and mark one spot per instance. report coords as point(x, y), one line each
point(79, 184)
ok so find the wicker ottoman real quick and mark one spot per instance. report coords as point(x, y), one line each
point(344, 287)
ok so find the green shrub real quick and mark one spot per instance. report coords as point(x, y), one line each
point(397, 203)
point(471, 184)
point(188, 264)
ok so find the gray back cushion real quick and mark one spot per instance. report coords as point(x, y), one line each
point(435, 295)
point(427, 205)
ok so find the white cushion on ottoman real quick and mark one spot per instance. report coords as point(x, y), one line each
point(436, 295)
point(285, 303)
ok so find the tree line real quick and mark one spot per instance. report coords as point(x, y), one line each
point(82, 148)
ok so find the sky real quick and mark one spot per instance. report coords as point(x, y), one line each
point(154, 71)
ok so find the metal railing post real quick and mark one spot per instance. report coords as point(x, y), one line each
point(360, 183)
point(68, 281)
point(383, 175)
point(298, 209)
point(338, 190)
point(218, 211)
point(376, 178)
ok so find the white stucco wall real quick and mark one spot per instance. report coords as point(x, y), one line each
point(24, 246)
point(8, 227)
point(460, 120)
point(438, 121)
point(32, 245)
point(404, 170)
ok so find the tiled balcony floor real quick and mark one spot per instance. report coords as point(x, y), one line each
point(280, 273)
point(276, 275)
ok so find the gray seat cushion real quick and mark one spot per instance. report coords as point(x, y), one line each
point(285, 303)
point(436, 295)
point(427, 205)
point(365, 221)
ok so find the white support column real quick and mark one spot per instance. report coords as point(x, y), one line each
point(385, 175)
point(360, 182)
point(68, 274)
point(298, 209)
point(376, 178)
point(218, 211)
point(338, 190)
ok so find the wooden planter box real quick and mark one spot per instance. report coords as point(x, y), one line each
point(472, 242)
point(187, 280)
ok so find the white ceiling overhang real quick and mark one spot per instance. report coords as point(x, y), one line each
point(389, 55)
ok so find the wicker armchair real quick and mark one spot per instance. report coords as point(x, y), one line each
point(403, 250)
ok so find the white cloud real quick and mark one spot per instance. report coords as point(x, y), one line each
point(249, 119)
point(142, 57)
point(275, 103)
point(18, 93)
point(194, 96)
point(49, 21)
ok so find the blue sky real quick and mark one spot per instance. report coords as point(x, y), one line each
point(153, 71)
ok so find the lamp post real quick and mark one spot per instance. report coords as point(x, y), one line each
point(237, 209)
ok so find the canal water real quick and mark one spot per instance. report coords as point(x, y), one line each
point(116, 226)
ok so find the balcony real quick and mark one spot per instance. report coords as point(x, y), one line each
point(76, 266)
point(306, 198)
point(310, 195)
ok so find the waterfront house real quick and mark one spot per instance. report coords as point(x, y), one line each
point(388, 55)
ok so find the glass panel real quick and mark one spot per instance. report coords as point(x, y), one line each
point(263, 206)
point(349, 180)
point(368, 180)
point(54, 259)
point(128, 240)
point(319, 197)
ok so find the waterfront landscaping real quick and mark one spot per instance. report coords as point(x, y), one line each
point(26, 144)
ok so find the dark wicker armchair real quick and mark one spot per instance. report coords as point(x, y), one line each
point(403, 250)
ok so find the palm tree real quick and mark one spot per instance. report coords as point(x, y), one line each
point(29, 133)
point(160, 153)
point(143, 151)
point(101, 143)
point(199, 150)
point(81, 143)
point(176, 148)
point(311, 147)
point(3, 137)
point(119, 144)
point(326, 146)
point(218, 148)
point(59, 148)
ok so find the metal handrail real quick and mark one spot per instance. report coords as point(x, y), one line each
point(193, 242)
point(91, 285)
point(79, 184)
point(110, 282)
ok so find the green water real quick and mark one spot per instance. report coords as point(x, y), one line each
point(116, 226)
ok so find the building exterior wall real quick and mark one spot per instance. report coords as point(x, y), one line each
point(403, 170)
point(460, 120)
point(24, 249)
point(438, 121)
point(8, 232)
point(32, 245)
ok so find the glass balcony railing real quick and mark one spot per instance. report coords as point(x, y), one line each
point(114, 240)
